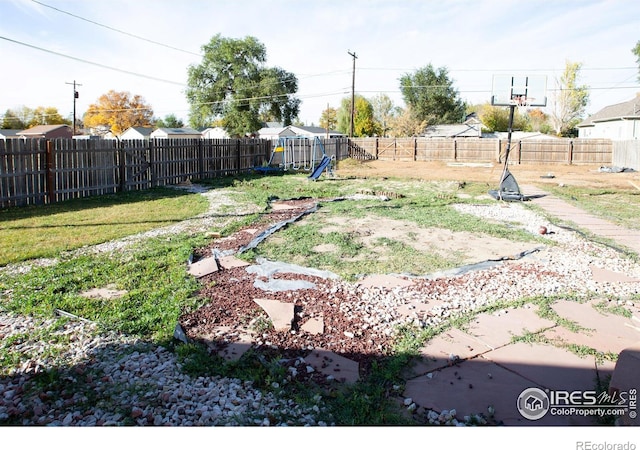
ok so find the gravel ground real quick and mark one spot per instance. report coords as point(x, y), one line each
point(108, 379)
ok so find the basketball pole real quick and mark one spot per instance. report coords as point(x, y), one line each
point(512, 108)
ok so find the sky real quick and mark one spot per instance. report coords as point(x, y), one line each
point(144, 47)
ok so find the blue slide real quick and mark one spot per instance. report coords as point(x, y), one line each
point(318, 170)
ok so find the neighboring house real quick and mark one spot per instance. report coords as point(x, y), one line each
point(136, 133)
point(519, 135)
point(9, 134)
point(47, 131)
point(619, 122)
point(175, 133)
point(471, 127)
point(215, 133)
point(274, 133)
point(312, 132)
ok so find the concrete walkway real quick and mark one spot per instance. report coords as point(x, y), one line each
point(479, 371)
point(569, 213)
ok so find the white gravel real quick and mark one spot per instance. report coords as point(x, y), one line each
point(131, 382)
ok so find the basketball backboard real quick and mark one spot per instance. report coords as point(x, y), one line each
point(519, 90)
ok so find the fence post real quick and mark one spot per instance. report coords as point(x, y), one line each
point(122, 165)
point(455, 149)
point(415, 149)
point(238, 156)
point(201, 159)
point(51, 163)
point(152, 159)
point(570, 153)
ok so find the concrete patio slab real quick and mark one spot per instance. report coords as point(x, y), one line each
point(625, 378)
point(609, 276)
point(333, 365)
point(497, 329)
point(547, 366)
point(473, 386)
point(445, 350)
point(604, 332)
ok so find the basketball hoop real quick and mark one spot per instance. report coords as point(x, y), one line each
point(522, 102)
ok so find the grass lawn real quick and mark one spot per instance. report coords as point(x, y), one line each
point(47, 231)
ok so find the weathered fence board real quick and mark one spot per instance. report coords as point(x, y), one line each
point(626, 154)
point(41, 171)
point(23, 172)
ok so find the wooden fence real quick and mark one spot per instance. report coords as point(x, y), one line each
point(40, 171)
point(543, 151)
point(626, 154)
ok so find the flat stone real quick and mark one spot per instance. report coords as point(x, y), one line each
point(314, 325)
point(108, 292)
point(625, 377)
point(609, 276)
point(603, 332)
point(231, 262)
point(547, 366)
point(280, 313)
point(471, 387)
point(388, 281)
point(331, 364)
point(447, 349)
point(234, 350)
point(203, 267)
point(497, 329)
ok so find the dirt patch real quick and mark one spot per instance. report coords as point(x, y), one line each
point(469, 248)
point(568, 175)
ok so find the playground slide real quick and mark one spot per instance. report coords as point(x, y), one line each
point(318, 170)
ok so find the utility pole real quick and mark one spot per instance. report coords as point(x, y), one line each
point(353, 92)
point(75, 96)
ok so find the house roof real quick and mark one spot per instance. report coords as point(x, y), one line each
point(620, 111)
point(453, 130)
point(41, 129)
point(145, 131)
point(6, 132)
point(313, 130)
point(181, 131)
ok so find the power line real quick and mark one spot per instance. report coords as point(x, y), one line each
point(91, 62)
point(117, 30)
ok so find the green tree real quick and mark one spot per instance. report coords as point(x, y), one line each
point(383, 112)
point(406, 124)
point(169, 121)
point(233, 84)
point(636, 51)
point(119, 111)
point(496, 118)
point(363, 121)
point(569, 100)
point(431, 96)
point(329, 118)
point(11, 120)
point(47, 116)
